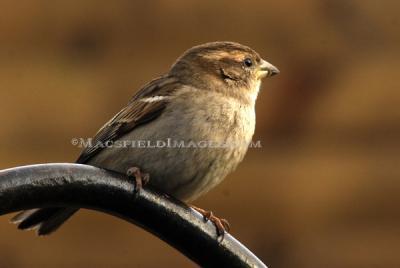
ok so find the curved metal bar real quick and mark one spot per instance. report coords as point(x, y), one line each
point(83, 186)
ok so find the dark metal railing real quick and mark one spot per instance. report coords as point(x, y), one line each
point(83, 186)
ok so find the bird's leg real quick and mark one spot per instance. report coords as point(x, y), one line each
point(222, 225)
point(141, 179)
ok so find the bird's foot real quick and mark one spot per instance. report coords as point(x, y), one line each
point(222, 225)
point(141, 179)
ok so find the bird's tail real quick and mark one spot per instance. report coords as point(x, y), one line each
point(45, 220)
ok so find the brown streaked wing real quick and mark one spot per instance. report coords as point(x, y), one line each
point(134, 114)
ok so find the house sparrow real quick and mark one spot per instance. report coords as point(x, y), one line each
point(208, 96)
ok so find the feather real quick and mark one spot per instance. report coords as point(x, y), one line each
point(136, 113)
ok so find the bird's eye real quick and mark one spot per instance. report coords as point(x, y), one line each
point(248, 62)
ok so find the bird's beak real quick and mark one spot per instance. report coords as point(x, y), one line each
point(266, 69)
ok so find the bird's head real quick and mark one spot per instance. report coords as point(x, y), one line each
point(223, 66)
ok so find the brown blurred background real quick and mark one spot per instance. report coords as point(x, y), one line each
point(323, 191)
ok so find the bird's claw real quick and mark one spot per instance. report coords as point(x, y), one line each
point(141, 179)
point(222, 225)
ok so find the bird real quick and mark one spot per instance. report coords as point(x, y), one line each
point(206, 98)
